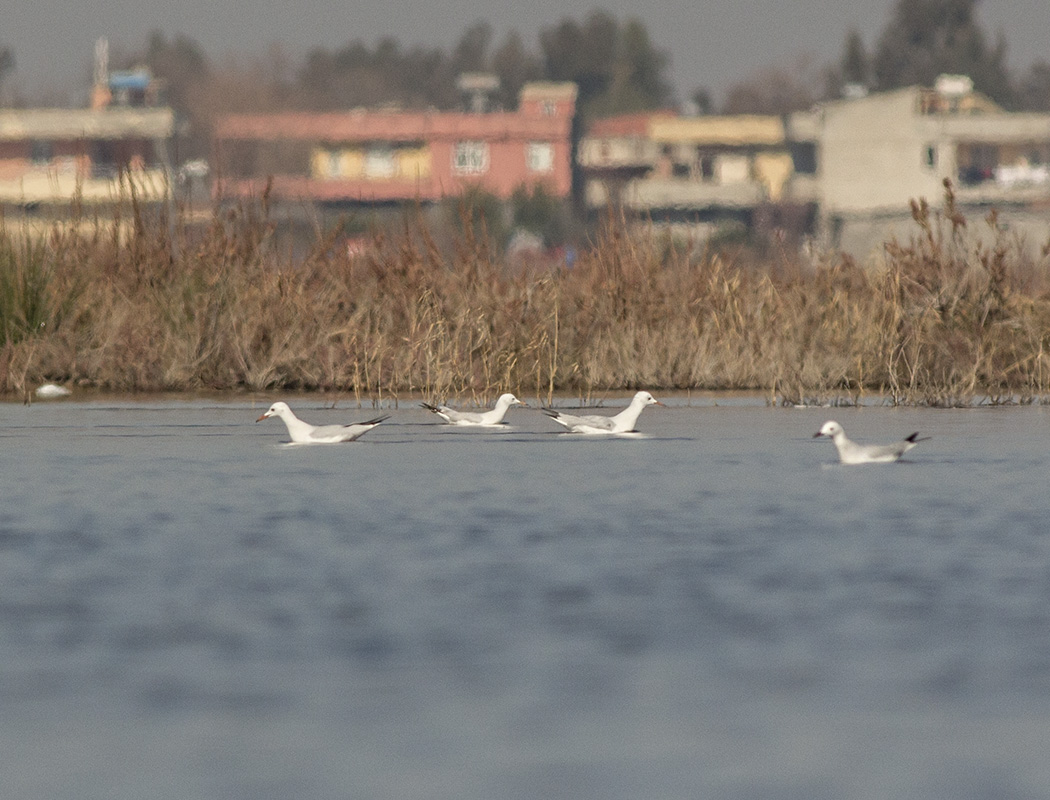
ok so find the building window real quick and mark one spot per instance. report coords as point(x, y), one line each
point(41, 152)
point(104, 159)
point(379, 162)
point(804, 157)
point(333, 163)
point(470, 158)
point(706, 167)
point(549, 108)
point(539, 157)
point(930, 156)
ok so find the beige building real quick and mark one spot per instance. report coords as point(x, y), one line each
point(876, 154)
point(116, 149)
point(51, 156)
point(844, 172)
point(694, 174)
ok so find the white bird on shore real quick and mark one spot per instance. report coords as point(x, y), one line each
point(50, 391)
point(852, 453)
point(305, 433)
point(477, 418)
point(622, 422)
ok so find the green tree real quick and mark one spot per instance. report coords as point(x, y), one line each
point(854, 66)
point(7, 62)
point(702, 101)
point(515, 66)
point(1033, 92)
point(615, 67)
point(359, 75)
point(479, 216)
point(775, 89)
point(926, 38)
point(637, 81)
point(471, 51)
point(180, 63)
point(540, 212)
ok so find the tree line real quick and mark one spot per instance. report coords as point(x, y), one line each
point(615, 63)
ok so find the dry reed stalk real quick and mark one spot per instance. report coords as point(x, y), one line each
point(133, 304)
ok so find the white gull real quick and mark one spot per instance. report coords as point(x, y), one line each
point(622, 422)
point(50, 391)
point(851, 452)
point(305, 433)
point(477, 418)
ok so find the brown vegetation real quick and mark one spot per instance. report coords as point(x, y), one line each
point(136, 304)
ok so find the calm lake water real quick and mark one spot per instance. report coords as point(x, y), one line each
point(716, 609)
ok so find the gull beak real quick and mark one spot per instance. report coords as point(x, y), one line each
point(660, 404)
point(261, 418)
point(817, 435)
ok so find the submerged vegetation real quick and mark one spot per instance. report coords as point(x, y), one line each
point(128, 304)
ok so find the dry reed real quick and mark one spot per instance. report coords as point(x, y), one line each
point(136, 304)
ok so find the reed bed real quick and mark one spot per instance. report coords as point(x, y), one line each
point(138, 304)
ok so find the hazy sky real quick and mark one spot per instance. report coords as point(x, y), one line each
point(712, 43)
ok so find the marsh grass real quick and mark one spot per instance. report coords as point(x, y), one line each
point(135, 303)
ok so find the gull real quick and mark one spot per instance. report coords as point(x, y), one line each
point(305, 433)
point(482, 418)
point(50, 391)
point(618, 423)
point(852, 453)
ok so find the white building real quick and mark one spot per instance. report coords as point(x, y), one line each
point(875, 154)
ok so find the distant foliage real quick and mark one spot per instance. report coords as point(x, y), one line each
point(776, 89)
point(539, 212)
point(616, 66)
point(1033, 93)
point(926, 38)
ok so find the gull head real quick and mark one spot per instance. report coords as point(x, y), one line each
point(648, 399)
point(278, 409)
point(830, 429)
point(507, 399)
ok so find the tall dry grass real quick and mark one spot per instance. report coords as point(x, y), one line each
point(137, 304)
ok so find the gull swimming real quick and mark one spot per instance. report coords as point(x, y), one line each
point(478, 418)
point(305, 433)
point(852, 453)
point(623, 422)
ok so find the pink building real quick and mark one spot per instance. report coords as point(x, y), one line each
point(376, 156)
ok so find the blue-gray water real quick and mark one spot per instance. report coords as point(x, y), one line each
point(717, 610)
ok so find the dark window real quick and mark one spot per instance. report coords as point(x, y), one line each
point(103, 159)
point(41, 152)
point(804, 157)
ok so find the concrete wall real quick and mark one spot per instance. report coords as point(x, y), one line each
point(873, 155)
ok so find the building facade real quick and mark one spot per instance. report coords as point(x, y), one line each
point(843, 173)
point(50, 157)
point(377, 156)
point(693, 174)
point(877, 153)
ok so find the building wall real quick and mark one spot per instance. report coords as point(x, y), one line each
point(877, 154)
point(50, 156)
point(363, 156)
point(873, 154)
